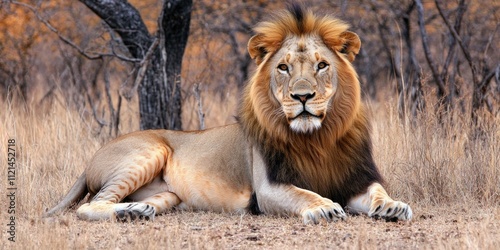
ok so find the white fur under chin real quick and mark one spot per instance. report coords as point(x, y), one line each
point(305, 124)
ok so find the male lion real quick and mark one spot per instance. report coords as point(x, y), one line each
point(301, 145)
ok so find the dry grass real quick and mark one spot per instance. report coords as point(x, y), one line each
point(452, 183)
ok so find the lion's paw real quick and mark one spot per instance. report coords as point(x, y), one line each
point(392, 210)
point(325, 209)
point(134, 211)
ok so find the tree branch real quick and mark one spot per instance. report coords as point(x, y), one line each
point(451, 51)
point(68, 41)
point(142, 66)
point(465, 51)
point(197, 96)
point(428, 56)
point(125, 20)
point(487, 78)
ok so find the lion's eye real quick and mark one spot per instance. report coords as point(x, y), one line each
point(283, 67)
point(322, 65)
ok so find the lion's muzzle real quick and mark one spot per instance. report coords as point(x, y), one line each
point(303, 98)
point(302, 90)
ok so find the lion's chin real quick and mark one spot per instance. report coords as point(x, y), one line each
point(305, 123)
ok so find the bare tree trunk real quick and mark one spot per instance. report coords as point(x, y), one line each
point(175, 25)
point(159, 90)
point(414, 89)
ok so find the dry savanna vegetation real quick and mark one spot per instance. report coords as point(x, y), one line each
point(435, 149)
point(451, 182)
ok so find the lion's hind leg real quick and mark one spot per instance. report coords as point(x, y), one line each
point(147, 208)
point(99, 210)
point(105, 205)
point(137, 178)
point(130, 211)
point(149, 200)
point(377, 203)
point(162, 202)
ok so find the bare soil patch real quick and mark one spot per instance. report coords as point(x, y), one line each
point(436, 227)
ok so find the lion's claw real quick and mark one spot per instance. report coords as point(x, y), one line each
point(135, 211)
point(327, 210)
point(392, 210)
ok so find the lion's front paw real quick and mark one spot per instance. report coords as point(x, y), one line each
point(392, 210)
point(325, 209)
point(134, 211)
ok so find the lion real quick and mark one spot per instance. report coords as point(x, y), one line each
point(300, 147)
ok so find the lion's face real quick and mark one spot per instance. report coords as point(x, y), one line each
point(303, 81)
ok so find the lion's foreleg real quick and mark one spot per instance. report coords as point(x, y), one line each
point(289, 199)
point(377, 203)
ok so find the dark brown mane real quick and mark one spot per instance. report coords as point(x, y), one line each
point(297, 12)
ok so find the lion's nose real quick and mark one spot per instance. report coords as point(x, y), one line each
point(302, 90)
point(303, 97)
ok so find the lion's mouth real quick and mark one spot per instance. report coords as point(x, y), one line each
point(307, 114)
point(306, 122)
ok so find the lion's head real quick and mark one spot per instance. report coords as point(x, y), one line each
point(304, 82)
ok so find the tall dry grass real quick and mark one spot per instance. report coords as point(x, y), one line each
point(436, 161)
point(425, 163)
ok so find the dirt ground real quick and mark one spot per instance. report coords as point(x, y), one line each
point(444, 227)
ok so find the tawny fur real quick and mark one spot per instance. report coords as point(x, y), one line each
point(301, 145)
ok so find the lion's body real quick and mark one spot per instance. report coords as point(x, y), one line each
point(301, 145)
point(185, 164)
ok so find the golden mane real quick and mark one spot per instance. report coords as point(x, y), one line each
point(308, 157)
point(299, 22)
point(346, 103)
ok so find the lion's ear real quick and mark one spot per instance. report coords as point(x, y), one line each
point(349, 45)
point(256, 49)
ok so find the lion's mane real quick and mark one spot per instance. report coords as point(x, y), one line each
point(334, 161)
